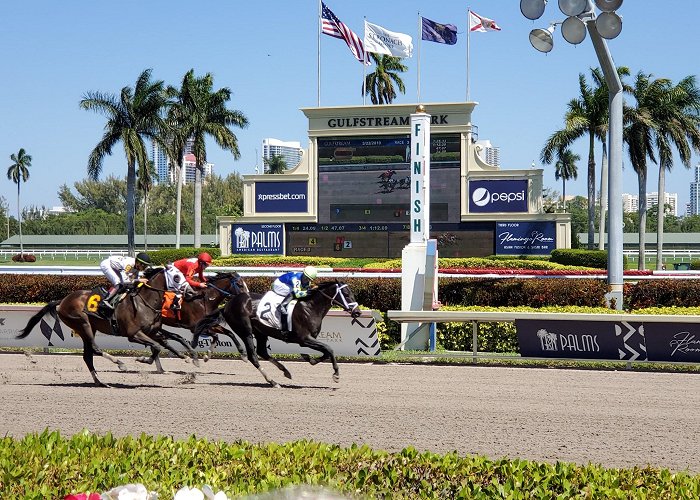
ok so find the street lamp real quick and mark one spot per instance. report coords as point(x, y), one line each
point(581, 17)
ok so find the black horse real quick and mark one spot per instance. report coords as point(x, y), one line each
point(241, 315)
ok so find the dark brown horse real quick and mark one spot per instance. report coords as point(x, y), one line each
point(138, 317)
point(220, 287)
point(241, 315)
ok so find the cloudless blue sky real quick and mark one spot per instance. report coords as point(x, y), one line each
point(266, 53)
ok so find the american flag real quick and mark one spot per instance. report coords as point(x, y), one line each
point(333, 27)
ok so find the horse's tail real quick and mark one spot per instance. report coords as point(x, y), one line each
point(50, 307)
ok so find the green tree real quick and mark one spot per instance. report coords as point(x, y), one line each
point(678, 127)
point(202, 112)
point(379, 85)
point(565, 169)
point(108, 195)
point(18, 173)
point(586, 115)
point(132, 117)
point(275, 165)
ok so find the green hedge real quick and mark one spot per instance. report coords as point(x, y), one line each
point(162, 257)
point(47, 465)
point(597, 259)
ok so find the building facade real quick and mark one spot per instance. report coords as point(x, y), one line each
point(350, 194)
point(489, 153)
point(695, 193)
point(291, 151)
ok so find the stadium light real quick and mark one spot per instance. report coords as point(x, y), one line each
point(581, 17)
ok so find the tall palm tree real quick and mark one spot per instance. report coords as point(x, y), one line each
point(132, 117)
point(145, 184)
point(18, 173)
point(276, 164)
point(565, 169)
point(199, 111)
point(678, 121)
point(639, 135)
point(585, 115)
point(379, 84)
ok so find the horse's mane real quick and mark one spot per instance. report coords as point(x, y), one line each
point(323, 285)
point(221, 276)
point(150, 272)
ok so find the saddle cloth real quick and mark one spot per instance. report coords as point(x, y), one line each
point(269, 315)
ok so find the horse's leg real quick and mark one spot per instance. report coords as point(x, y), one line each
point(85, 331)
point(181, 340)
point(317, 345)
point(263, 353)
point(236, 342)
point(88, 354)
point(148, 360)
point(253, 356)
point(144, 339)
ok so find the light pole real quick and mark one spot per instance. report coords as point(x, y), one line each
point(606, 25)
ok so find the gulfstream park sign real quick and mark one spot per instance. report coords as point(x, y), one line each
point(381, 121)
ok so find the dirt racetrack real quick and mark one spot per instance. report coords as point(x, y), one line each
point(615, 418)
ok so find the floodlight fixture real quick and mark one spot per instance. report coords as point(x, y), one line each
point(573, 30)
point(541, 39)
point(574, 7)
point(532, 9)
point(608, 5)
point(609, 25)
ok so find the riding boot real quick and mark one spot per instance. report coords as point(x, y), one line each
point(283, 312)
point(108, 302)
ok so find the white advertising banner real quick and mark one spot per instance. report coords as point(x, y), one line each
point(345, 335)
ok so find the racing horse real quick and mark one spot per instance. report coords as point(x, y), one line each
point(137, 316)
point(220, 287)
point(241, 315)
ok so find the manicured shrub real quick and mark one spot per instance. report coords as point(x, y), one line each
point(597, 259)
point(162, 257)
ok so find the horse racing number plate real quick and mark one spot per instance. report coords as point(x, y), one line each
point(93, 302)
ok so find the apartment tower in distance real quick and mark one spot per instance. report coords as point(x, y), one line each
point(291, 151)
point(695, 193)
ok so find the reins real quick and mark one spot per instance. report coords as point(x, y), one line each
point(344, 304)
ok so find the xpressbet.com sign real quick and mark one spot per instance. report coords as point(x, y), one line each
point(284, 197)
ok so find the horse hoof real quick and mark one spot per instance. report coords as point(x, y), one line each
point(244, 358)
point(288, 375)
point(142, 359)
point(187, 360)
point(336, 378)
point(122, 366)
point(195, 362)
point(275, 385)
point(206, 358)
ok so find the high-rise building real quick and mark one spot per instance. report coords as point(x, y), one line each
point(489, 153)
point(291, 151)
point(630, 202)
point(695, 193)
point(670, 199)
point(161, 163)
point(165, 169)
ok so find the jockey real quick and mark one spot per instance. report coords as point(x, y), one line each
point(122, 270)
point(187, 275)
point(292, 285)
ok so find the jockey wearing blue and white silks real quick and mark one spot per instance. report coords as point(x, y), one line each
point(292, 285)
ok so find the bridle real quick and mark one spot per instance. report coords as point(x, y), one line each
point(347, 306)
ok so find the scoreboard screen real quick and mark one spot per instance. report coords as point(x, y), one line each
point(366, 180)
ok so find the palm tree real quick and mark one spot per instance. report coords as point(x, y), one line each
point(18, 173)
point(145, 184)
point(132, 117)
point(379, 85)
point(198, 111)
point(565, 169)
point(276, 164)
point(639, 135)
point(678, 127)
point(586, 115)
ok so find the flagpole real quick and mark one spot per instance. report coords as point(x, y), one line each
point(420, 36)
point(469, 31)
point(364, 66)
point(318, 57)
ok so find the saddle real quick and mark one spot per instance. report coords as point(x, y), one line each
point(267, 311)
point(94, 306)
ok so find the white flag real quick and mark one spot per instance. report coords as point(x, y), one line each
point(382, 41)
point(481, 23)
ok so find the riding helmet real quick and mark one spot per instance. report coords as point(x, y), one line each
point(310, 272)
point(143, 258)
point(204, 257)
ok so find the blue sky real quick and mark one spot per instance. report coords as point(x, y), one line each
point(266, 53)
